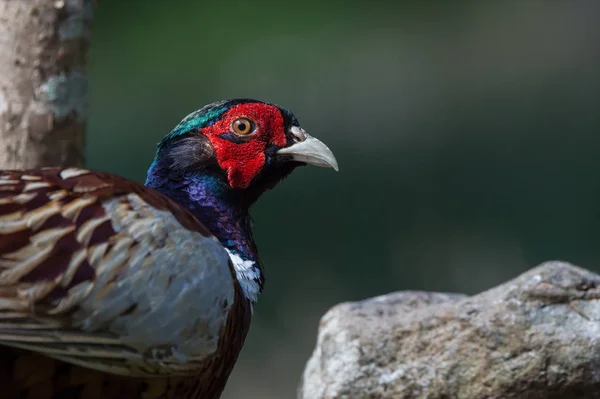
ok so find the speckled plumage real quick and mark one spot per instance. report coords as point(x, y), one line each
point(109, 288)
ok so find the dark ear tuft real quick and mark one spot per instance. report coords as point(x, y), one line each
point(190, 153)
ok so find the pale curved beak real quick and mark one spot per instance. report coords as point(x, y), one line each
point(309, 150)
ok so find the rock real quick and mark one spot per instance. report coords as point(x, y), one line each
point(537, 336)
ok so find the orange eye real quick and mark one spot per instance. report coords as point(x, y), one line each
point(242, 126)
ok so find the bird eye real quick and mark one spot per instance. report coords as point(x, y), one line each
point(243, 126)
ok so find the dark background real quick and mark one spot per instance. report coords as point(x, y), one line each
point(466, 133)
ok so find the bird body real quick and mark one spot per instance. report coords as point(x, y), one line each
point(142, 290)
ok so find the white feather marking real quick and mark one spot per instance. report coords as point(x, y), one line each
point(30, 177)
point(50, 236)
point(17, 268)
point(12, 304)
point(56, 195)
point(115, 258)
point(140, 227)
point(36, 291)
point(72, 209)
point(38, 216)
point(72, 172)
point(11, 217)
point(248, 275)
point(12, 226)
point(76, 261)
point(96, 253)
point(76, 294)
point(35, 185)
point(84, 234)
point(24, 197)
point(25, 252)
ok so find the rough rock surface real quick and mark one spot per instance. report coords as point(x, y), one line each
point(537, 336)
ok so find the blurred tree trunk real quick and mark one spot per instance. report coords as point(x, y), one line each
point(43, 82)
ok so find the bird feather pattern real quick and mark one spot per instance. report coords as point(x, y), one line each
point(106, 273)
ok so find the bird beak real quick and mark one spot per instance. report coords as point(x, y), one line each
point(309, 150)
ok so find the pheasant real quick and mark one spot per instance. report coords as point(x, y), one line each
point(113, 289)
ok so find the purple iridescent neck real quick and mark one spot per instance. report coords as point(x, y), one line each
point(222, 210)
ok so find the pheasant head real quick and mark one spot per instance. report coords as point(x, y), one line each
point(247, 145)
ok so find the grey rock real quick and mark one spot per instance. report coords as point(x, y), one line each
point(537, 336)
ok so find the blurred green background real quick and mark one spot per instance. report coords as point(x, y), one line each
point(467, 134)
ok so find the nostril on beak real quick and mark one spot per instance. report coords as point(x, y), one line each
point(298, 133)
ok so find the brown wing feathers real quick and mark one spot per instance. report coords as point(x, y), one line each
point(50, 222)
point(41, 254)
point(53, 232)
point(53, 224)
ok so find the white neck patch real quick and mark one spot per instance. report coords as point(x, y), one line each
point(248, 275)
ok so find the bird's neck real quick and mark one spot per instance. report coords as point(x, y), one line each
point(224, 211)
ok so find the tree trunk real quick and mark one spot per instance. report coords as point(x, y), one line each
point(43, 82)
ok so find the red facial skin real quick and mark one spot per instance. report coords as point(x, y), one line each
point(244, 161)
